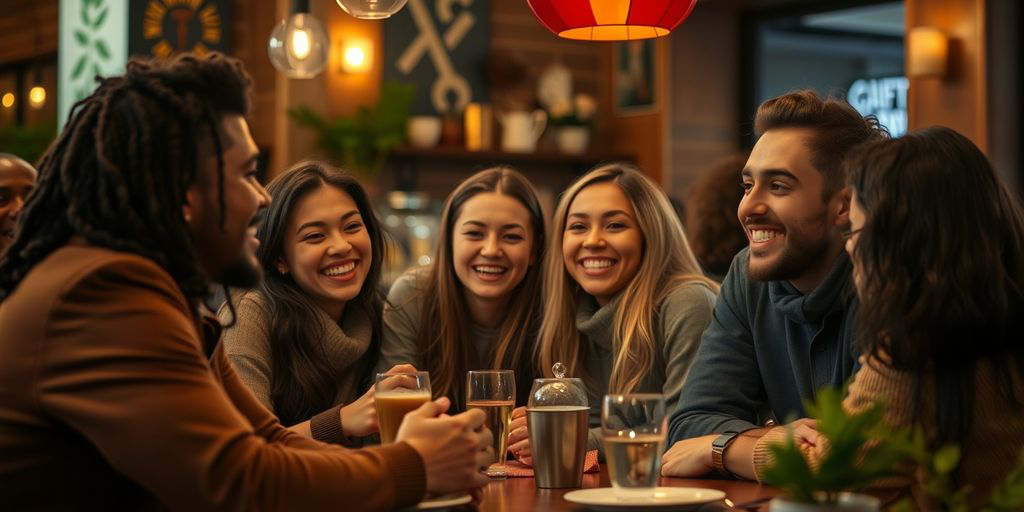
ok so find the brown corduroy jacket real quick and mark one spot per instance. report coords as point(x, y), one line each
point(108, 400)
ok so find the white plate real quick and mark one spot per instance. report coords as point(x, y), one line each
point(603, 498)
point(448, 500)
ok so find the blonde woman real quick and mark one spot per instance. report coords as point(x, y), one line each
point(625, 301)
point(476, 306)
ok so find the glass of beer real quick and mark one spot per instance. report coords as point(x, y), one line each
point(494, 393)
point(633, 427)
point(396, 394)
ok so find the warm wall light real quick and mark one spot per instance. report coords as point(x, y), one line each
point(8, 100)
point(928, 52)
point(37, 96)
point(356, 56)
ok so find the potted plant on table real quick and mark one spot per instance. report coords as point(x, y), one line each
point(573, 122)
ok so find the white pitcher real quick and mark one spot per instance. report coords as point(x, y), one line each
point(521, 129)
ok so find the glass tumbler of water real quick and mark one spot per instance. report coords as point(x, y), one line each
point(633, 427)
point(494, 393)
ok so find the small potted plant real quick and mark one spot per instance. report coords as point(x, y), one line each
point(861, 449)
point(572, 122)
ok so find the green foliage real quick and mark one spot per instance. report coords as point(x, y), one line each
point(862, 448)
point(361, 143)
point(27, 142)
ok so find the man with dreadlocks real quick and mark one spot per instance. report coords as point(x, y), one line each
point(112, 391)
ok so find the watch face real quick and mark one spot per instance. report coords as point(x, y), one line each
point(722, 440)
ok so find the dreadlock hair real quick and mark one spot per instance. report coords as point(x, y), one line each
point(118, 173)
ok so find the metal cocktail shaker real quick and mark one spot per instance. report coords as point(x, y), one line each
point(557, 416)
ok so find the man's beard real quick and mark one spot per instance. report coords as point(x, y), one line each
point(242, 274)
point(798, 256)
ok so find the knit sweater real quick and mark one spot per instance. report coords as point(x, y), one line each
point(992, 447)
point(774, 346)
point(109, 400)
point(247, 345)
point(401, 342)
point(679, 320)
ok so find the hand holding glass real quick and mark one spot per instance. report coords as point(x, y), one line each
point(398, 394)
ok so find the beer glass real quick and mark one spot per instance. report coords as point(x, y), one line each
point(494, 393)
point(395, 395)
point(633, 427)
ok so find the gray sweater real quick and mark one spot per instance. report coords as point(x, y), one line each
point(678, 323)
point(247, 345)
point(400, 343)
point(768, 348)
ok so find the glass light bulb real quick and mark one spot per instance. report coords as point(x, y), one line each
point(301, 45)
point(298, 46)
point(8, 100)
point(371, 9)
point(355, 56)
point(37, 96)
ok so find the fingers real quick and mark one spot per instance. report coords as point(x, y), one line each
point(401, 368)
point(473, 418)
point(430, 409)
point(519, 412)
point(485, 439)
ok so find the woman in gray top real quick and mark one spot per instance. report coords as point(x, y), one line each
point(305, 340)
point(625, 301)
point(475, 306)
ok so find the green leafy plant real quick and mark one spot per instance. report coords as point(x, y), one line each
point(862, 448)
point(361, 143)
point(28, 142)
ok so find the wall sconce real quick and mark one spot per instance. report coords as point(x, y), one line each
point(356, 55)
point(928, 52)
point(298, 45)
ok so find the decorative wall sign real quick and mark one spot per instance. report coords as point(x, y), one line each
point(92, 41)
point(441, 46)
point(162, 28)
point(884, 98)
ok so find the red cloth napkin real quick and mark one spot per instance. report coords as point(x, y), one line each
point(516, 468)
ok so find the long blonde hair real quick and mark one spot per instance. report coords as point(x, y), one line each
point(667, 262)
point(444, 321)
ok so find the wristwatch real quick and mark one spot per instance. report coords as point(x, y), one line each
point(718, 447)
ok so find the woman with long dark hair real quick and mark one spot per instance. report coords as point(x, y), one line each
point(307, 338)
point(937, 244)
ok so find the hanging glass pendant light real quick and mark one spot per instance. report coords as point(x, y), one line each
point(611, 20)
point(371, 9)
point(298, 46)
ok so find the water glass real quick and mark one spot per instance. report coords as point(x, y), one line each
point(633, 428)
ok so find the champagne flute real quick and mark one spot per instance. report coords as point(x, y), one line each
point(395, 395)
point(494, 392)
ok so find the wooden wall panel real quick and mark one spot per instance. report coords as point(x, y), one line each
point(958, 100)
point(28, 29)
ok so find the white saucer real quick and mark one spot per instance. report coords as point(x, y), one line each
point(448, 500)
point(603, 498)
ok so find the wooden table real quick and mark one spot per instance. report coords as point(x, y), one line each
point(522, 494)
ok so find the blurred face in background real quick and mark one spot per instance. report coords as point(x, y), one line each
point(17, 180)
point(602, 245)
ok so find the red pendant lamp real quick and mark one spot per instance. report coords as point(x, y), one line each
point(611, 20)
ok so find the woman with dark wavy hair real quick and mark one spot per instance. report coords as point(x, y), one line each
point(937, 244)
point(306, 340)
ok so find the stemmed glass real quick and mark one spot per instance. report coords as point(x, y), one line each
point(494, 392)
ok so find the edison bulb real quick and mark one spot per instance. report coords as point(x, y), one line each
point(298, 46)
point(8, 100)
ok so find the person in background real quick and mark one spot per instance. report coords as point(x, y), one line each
point(625, 301)
point(940, 300)
point(17, 179)
point(475, 307)
point(114, 393)
point(305, 340)
point(713, 231)
point(782, 326)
